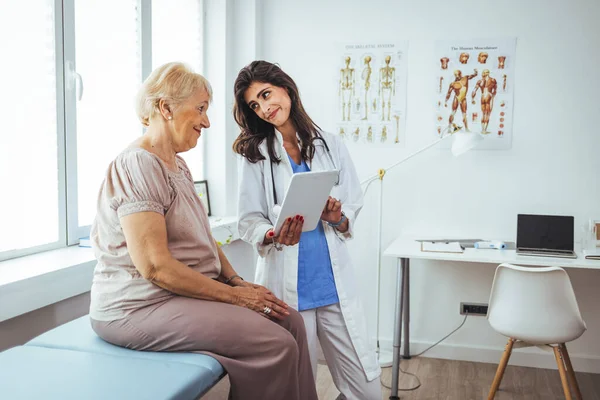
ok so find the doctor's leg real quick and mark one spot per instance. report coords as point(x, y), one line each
point(310, 323)
point(343, 362)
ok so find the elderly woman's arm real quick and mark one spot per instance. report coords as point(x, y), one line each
point(227, 271)
point(146, 236)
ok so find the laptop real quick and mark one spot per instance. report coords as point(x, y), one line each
point(545, 235)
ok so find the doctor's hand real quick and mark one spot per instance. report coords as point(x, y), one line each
point(289, 234)
point(332, 212)
point(260, 299)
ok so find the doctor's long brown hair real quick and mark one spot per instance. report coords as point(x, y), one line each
point(253, 129)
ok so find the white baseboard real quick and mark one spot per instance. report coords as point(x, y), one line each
point(527, 357)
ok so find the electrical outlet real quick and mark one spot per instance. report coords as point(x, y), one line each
point(473, 309)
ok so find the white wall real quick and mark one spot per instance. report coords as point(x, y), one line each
point(551, 167)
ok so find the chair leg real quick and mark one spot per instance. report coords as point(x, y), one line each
point(562, 371)
point(570, 371)
point(501, 368)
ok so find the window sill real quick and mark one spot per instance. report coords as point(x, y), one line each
point(35, 281)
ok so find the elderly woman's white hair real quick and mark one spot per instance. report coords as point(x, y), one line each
point(173, 82)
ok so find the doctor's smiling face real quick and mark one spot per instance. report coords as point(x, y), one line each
point(266, 98)
point(271, 103)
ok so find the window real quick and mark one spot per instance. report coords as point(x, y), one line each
point(70, 71)
point(29, 144)
point(103, 75)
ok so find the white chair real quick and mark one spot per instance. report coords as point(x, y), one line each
point(535, 307)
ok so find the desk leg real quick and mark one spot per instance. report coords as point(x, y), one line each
point(398, 327)
point(406, 316)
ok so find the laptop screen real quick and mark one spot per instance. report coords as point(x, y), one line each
point(545, 232)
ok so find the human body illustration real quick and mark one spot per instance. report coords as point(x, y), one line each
point(482, 57)
point(366, 76)
point(384, 133)
point(397, 118)
point(488, 87)
point(387, 87)
point(501, 60)
point(346, 89)
point(463, 58)
point(460, 88)
point(444, 62)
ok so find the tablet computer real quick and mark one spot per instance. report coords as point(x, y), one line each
point(306, 195)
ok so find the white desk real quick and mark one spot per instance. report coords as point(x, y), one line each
point(405, 248)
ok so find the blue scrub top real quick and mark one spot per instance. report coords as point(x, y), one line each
point(316, 285)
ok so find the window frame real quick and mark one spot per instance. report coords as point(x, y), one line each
point(70, 132)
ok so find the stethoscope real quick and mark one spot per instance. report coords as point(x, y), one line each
point(276, 207)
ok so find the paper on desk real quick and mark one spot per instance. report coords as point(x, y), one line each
point(592, 254)
point(441, 247)
point(465, 243)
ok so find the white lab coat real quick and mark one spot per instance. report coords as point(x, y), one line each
point(278, 270)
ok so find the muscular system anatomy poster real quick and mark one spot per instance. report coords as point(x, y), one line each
point(474, 88)
point(371, 84)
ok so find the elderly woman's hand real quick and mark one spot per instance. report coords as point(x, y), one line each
point(260, 299)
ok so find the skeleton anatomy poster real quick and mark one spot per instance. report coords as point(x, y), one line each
point(474, 88)
point(371, 80)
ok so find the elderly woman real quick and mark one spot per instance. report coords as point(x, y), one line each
point(161, 282)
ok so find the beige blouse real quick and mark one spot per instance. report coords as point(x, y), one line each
point(138, 181)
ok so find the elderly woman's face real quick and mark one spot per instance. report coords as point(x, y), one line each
point(189, 119)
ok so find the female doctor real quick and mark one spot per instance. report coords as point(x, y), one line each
point(310, 271)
